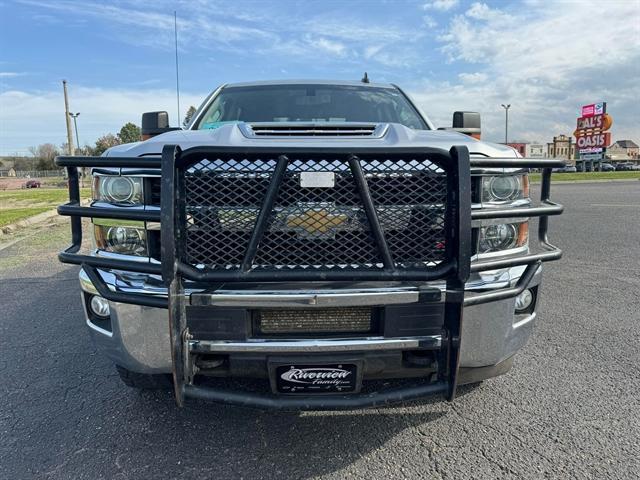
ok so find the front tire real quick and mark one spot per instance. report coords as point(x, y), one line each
point(144, 381)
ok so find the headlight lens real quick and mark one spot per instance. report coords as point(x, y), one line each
point(505, 188)
point(117, 189)
point(122, 239)
point(503, 236)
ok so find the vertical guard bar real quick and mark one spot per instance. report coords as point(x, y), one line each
point(460, 233)
point(370, 210)
point(172, 239)
point(265, 211)
point(168, 212)
point(76, 221)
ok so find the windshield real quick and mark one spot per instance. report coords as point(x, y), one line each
point(310, 103)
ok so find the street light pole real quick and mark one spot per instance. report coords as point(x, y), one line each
point(506, 122)
point(75, 126)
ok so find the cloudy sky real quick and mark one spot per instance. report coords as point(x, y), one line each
point(544, 57)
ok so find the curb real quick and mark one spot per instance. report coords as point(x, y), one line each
point(600, 180)
point(27, 222)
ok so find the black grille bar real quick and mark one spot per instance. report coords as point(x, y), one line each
point(265, 211)
point(272, 254)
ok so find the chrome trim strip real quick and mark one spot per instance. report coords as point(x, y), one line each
point(524, 321)
point(311, 345)
point(322, 300)
point(96, 328)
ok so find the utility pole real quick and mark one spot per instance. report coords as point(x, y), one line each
point(75, 126)
point(175, 31)
point(506, 122)
point(68, 118)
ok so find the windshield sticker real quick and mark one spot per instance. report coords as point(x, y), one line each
point(214, 125)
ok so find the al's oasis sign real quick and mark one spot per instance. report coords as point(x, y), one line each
point(591, 132)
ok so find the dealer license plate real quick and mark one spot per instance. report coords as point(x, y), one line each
point(317, 379)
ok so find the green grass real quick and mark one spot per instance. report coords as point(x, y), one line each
point(37, 196)
point(16, 205)
point(586, 176)
point(13, 215)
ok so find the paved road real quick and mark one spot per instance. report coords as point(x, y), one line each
point(569, 409)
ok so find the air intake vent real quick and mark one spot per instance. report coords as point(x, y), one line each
point(315, 130)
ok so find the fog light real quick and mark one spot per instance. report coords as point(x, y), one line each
point(99, 306)
point(524, 301)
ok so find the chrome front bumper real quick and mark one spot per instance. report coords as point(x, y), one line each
point(138, 338)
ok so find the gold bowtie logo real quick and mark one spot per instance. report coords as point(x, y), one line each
point(316, 221)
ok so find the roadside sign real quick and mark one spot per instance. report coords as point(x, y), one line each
point(591, 156)
point(591, 132)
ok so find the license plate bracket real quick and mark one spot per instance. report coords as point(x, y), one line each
point(311, 378)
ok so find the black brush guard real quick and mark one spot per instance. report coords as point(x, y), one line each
point(175, 270)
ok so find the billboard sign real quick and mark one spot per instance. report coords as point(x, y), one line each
point(591, 132)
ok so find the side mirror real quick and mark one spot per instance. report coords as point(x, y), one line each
point(468, 123)
point(155, 123)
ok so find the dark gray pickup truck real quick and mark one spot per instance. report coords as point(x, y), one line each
point(310, 245)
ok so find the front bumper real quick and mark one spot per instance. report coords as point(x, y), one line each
point(138, 337)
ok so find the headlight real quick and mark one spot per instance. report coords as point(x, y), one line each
point(505, 188)
point(117, 189)
point(503, 236)
point(124, 239)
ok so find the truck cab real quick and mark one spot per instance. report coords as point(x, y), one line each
point(320, 240)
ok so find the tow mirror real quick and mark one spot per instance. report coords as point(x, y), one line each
point(468, 123)
point(155, 123)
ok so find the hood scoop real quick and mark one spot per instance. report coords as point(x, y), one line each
point(323, 129)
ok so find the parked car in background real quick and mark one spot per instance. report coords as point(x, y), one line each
point(32, 184)
point(566, 169)
point(635, 166)
point(623, 166)
point(607, 167)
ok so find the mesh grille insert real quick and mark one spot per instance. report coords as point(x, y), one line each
point(326, 320)
point(318, 227)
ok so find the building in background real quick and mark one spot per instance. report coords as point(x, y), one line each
point(623, 150)
point(562, 147)
point(536, 150)
point(520, 147)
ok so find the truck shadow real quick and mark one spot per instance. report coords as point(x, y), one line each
point(232, 442)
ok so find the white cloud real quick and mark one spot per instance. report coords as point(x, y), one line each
point(429, 21)
point(33, 118)
point(11, 74)
point(476, 77)
point(442, 5)
point(336, 48)
point(546, 61)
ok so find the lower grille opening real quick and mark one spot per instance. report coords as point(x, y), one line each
point(349, 320)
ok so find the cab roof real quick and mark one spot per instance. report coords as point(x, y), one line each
point(310, 82)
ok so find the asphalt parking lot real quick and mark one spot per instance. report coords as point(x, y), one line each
point(570, 408)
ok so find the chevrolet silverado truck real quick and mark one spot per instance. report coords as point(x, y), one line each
point(310, 245)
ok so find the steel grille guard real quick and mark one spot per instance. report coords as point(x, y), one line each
point(455, 269)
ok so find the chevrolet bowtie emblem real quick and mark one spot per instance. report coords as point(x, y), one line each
point(316, 221)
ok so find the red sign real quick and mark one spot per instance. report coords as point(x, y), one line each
point(587, 110)
point(594, 109)
point(597, 140)
point(595, 121)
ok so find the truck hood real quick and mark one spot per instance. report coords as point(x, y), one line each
point(233, 135)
